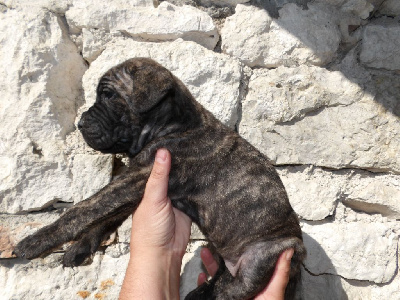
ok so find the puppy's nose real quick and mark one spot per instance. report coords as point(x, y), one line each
point(80, 124)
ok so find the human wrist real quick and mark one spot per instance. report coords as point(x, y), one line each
point(155, 273)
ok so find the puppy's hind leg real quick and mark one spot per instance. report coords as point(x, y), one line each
point(254, 270)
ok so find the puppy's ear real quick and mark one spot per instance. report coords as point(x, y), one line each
point(150, 85)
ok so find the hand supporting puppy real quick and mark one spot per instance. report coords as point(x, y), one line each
point(158, 241)
point(160, 234)
point(275, 290)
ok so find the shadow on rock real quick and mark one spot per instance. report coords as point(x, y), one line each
point(319, 286)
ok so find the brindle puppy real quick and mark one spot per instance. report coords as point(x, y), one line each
point(222, 182)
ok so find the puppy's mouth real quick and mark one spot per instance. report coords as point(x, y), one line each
point(103, 136)
point(105, 143)
point(118, 147)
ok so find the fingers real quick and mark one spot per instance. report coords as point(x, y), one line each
point(277, 286)
point(209, 261)
point(282, 269)
point(201, 279)
point(157, 185)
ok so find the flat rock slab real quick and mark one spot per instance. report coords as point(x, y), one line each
point(380, 46)
point(186, 22)
point(309, 115)
point(297, 37)
point(355, 250)
point(41, 88)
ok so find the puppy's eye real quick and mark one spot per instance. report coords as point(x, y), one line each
point(107, 94)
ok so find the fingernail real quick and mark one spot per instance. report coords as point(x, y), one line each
point(161, 155)
point(289, 254)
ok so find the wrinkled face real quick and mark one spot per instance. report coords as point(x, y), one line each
point(110, 125)
point(123, 118)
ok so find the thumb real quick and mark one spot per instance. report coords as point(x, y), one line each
point(157, 184)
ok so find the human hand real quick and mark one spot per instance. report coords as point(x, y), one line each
point(275, 290)
point(157, 225)
point(159, 237)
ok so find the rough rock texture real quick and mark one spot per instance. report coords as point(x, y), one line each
point(314, 85)
point(320, 189)
point(185, 22)
point(381, 45)
point(222, 2)
point(13, 228)
point(297, 37)
point(309, 115)
point(390, 8)
point(41, 88)
point(356, 250)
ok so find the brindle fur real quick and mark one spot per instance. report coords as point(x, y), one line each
point(217, 178)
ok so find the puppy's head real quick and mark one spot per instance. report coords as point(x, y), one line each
point(136, 102)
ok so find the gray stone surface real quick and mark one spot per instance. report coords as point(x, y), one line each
point(320, 189)
point(354, 250)
point(390, 8)
point(222, 2)
point(41, 88)
point(308, 115)
point(44, 278)
point(381, 45)
point(323, 190)
point(297, 37)
point(185, 22)
point(15, 227)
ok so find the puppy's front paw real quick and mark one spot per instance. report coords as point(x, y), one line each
point(32, 246)
point(77, 253)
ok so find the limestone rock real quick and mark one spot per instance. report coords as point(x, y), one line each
point(90, 173)
point(361, 8)
point(381, 46)
point(93, 42)
point(102, 279)
point(297, 37)
point(124, 231)
point(41, 88)
point(364, 290)
point(330, 286)
point(57, 6)
point(185, 22)
point(213, 80)
point(320, 189)
point(357, 250)
point(390, 8)
point(14, 228)
point(301, 116)
point(222, 2)
point(99, 15)
point(374, 194)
